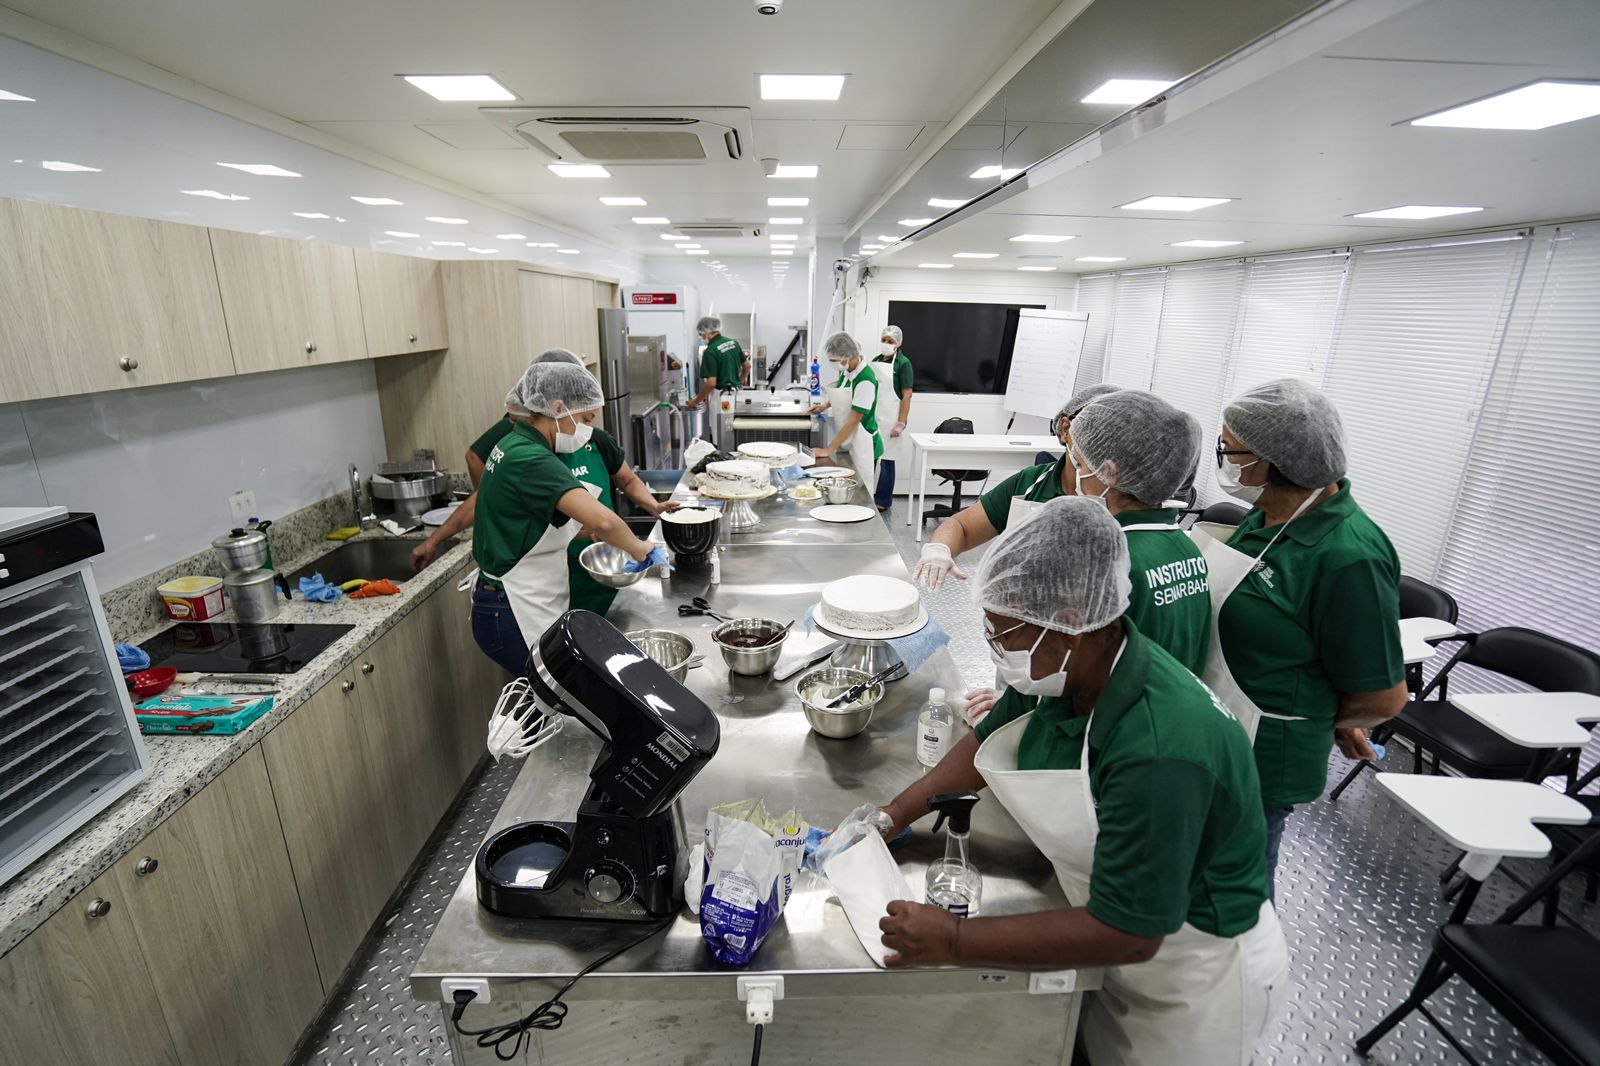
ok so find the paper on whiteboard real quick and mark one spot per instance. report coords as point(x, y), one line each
point(1044, 361)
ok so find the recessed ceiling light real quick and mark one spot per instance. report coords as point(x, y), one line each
point(1101, 258)
point(1531, 107)
point(937, 202)
point(652, 220)
point(1042, 238)
point(511, 236)
point(786, 221)
point(16, 97)
point(1038, 255)
point(446, 220)
point(1203, 244)
point(913, 221)
point(309, 214)
point(399, 233)
point(622, 201)
point(784, 236)
point(1127, 91)
point(377, 201)
point(460, 88)
point(542, 244)
point(577, 170)
point(695, 251)
point(68, 168)
point(782, 251)
point(794, 170)
point(484, 251)
point(887, 238)
point(975, 255)
point(449, 244)
point(935, 266)
point(1003, 173)
point(1417, 211)
point(672, 237)
point(1175, 203)
point(212, 194)
point(788, 201)
point(872, 247)
point(1035, 268)
point(263, 170)
point(566, 251)
point(802, 86)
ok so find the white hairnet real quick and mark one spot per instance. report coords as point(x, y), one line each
point(708, 324)
point(559, 355)
point(1138, 443)
point(894, 331)
point(1066, 568)
point(841, 346)
point(1084, 397)
point(1294, 427)
point(555, 388)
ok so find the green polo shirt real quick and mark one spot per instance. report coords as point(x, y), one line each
point(1035, 484)
point(904, 377)
point(522, 481)
point(600, 443)
point(596, 463)
point(864, 401)
point(490, 437)
point(1182, 837)
point(723, 360)
point(1318, 616)
point(1170, 600)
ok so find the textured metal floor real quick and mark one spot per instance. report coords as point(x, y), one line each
point(1358, 894)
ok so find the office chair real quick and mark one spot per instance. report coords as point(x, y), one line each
point(953, 477)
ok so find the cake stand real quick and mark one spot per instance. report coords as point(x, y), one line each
point(869, 653)
point(739, 511)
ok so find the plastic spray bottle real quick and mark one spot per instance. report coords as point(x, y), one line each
point(936, 730)
point(953, 882)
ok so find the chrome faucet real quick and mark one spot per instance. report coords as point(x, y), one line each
point(362, 521)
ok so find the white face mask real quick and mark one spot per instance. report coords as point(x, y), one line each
point(1228, 481)
point(841, 367)
point(1078, 477)
point(885, 348)
point(567, 443)
point(1016, 670)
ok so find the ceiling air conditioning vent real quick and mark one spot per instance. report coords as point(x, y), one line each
point(719, 230)
point(631, 135)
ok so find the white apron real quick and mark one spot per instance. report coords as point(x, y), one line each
point(888, 410)
point(859, 447)
point(1203, 1000)
point(1021, 510)
point(537, 586)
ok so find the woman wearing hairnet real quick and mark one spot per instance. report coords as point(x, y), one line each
point(856, 412)
point(530, 506)
point(1140, 789)
point(895, 381)
point(1305, 642)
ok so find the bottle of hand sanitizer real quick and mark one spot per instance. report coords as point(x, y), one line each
point(953, 882)
point(936, 730)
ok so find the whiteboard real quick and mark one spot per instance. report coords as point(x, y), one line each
point(1044, 362)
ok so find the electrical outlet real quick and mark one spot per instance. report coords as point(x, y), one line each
point(241, 505)
point(451, 985)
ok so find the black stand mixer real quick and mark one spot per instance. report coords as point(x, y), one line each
point(624, 856)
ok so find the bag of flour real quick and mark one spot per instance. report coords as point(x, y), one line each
point(751, 859)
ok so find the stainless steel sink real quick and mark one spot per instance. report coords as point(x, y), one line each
point(370, 559)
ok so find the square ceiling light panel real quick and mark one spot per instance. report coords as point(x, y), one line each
point(946, 204)
point(786, 222)
point(995, 171)
point(802, 86)
point(1042, 238)
point(1127, 91)
point(1204, 244)
point(788, 201)
point(1175, 203)
point(623, 201)
point(461, 88)
point(1530, 107)
point(262, 170)
point(577, 170)
point(1417, 211)
point(794, 170)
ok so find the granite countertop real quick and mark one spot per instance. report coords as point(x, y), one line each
point(182, 765)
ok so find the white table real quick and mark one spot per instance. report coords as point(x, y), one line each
point(1415, 634)
point(1488, 820)
point(970, 451)
point(1534, 719)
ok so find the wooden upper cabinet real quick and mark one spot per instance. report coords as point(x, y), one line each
point(402, 303)
point(27, 368)
point(288, 303)
point(129, 301)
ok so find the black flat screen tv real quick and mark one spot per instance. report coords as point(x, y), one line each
point(958, 347)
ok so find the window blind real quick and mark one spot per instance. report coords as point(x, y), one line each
point(1411, 362)
point(1097, 296)
point(1285, 320)
point(1198, 313)
point(1135, 325)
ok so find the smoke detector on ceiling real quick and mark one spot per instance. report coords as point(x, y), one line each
point(654, 136)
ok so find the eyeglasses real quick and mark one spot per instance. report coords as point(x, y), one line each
point(994, 638)
point(1224, 450)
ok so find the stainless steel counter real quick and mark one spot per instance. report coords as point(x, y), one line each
point(766, 750)
point(787, 521)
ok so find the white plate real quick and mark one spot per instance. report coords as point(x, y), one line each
point(439, 515)
point(830, 471)
point(794, 494)
point(843, 512)
point(915, 626)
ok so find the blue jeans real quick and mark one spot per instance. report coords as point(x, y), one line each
point(495, 629)
point(1276, 817)
point(884, 496)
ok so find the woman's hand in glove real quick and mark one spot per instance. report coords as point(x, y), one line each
point(935, 564)
point(980, 701)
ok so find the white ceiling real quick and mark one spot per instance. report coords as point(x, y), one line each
point(1302, 146)
point(912, 64)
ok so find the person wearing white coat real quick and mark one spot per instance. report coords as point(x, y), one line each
point(1141, 790)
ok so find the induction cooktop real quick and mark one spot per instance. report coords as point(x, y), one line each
point(241, 647)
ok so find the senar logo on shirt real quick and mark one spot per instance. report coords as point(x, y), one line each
point(1171, 582)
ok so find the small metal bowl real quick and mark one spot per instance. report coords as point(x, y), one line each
point(674, 651)
point(838, 489)
point(751, 662)
point(820, 686)
point(604, 563)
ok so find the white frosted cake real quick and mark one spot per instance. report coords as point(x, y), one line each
point(736, 477)
point(691, 516)
point(770, 452)
point(870, 604)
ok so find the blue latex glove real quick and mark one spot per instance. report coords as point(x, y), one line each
point(816, 835)
point(315, 590)
point(657, 557)
point(132, 658)
point(1377, 749)
point(790, 474)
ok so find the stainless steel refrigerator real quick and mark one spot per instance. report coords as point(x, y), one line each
point(614, 379)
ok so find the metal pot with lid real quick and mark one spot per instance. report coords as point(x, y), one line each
point(242, 549)
point(254, 593)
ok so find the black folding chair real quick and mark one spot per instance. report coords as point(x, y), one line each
point(1418, 599)
point(1222, 513)
point(1567, 839)
point(954, 478)
point(1541, 979)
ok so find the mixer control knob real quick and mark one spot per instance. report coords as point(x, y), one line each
point(606, 886)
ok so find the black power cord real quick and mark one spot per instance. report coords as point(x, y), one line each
point(547, 1016)
point(755, 1052)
